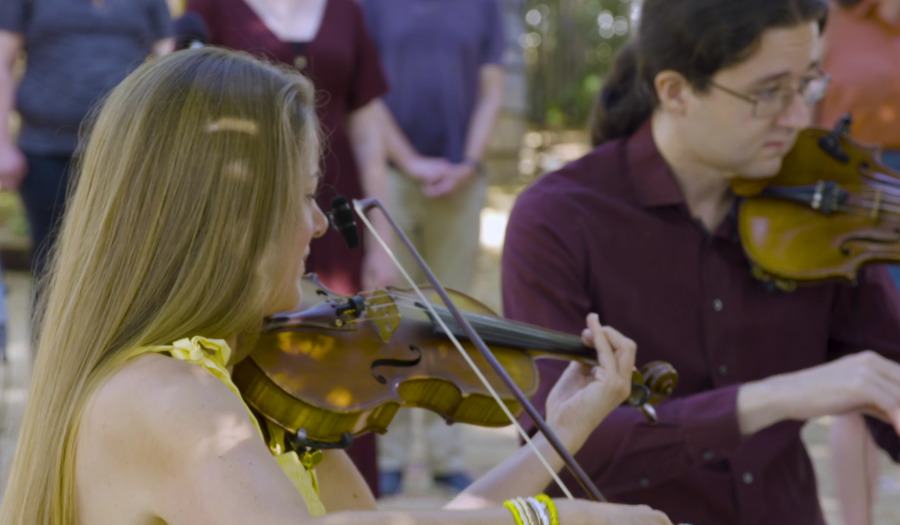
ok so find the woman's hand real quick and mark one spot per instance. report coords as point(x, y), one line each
point(584, 395)
point(581, 512)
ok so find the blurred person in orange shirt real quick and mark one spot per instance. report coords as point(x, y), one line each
point(863, 58)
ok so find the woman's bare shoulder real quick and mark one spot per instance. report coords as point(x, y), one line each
point(158, 401)
point(153, 427)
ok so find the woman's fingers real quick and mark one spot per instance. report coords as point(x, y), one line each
point(605, 356)
point(625, 351)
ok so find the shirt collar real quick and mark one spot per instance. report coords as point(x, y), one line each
point(653, 181)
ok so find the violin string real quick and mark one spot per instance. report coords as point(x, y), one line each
point(888, 197)
point(864, 208)
point(493, 332)
point(858, 205)
point(878, 179)
point(524, 435)
point(522, 334)
point(882, 189)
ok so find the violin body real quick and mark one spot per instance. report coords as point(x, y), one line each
point(336, 367)
point(313, 369)
point(832, 207)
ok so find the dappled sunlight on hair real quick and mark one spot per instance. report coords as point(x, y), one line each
point(239, 125)
point(237, 170)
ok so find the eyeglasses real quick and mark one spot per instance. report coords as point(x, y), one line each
point(773, 101)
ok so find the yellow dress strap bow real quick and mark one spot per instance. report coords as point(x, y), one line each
point(213, 355)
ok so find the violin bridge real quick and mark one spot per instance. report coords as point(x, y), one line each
point(876, 205)
point(383, 311)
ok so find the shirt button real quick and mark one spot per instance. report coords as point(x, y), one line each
point(708, 455)
point(717, 305)
point(747, 478)
point(644, 482)
point(723, 370)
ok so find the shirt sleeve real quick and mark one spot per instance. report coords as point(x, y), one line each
point(368, 80)
point(544, 276)
point(161, 20)
point(13, 15)
point(494, 44)
point(866, 316)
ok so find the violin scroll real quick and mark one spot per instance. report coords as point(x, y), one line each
point(650, 385)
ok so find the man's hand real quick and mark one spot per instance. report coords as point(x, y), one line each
point(862, 382)
point(427, 170)
point(454, 179)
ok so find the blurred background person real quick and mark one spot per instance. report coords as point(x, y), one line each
point(862, 54)
point(444, 64)
point(327, 41)
point(76, 53)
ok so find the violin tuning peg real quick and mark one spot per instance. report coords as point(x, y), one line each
point(649, 412)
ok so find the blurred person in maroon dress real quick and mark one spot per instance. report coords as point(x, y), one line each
point(328, 42)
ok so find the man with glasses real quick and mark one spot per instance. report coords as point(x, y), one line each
point(642, 230)
point(773, 100)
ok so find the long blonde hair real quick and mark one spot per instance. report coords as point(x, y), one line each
point(190, 180)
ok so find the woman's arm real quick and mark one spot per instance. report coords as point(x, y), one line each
point(341, 485)
point(165, 440)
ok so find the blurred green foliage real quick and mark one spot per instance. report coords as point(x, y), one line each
point(569, 46)
point(13, 224)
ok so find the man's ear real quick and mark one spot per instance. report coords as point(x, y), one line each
point(673, 91)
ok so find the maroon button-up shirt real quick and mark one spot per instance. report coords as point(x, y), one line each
point(610, 233)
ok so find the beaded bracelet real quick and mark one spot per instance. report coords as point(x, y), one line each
point(551, 508)
point(538, 510)
point(528, 515)
point(515, 511)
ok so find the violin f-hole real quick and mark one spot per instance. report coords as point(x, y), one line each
point(400, 363)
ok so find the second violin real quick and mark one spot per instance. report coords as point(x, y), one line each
point(832, 207)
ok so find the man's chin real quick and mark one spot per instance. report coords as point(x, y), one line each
point(764, 169)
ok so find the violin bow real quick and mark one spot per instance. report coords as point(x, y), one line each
point(362, 206)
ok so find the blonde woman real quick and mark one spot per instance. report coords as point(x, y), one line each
point(190, 222)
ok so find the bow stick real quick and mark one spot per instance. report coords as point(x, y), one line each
point(364, 205)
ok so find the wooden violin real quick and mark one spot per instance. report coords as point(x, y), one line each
point(265, 392)
point(339, 366)
point(832, 207)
